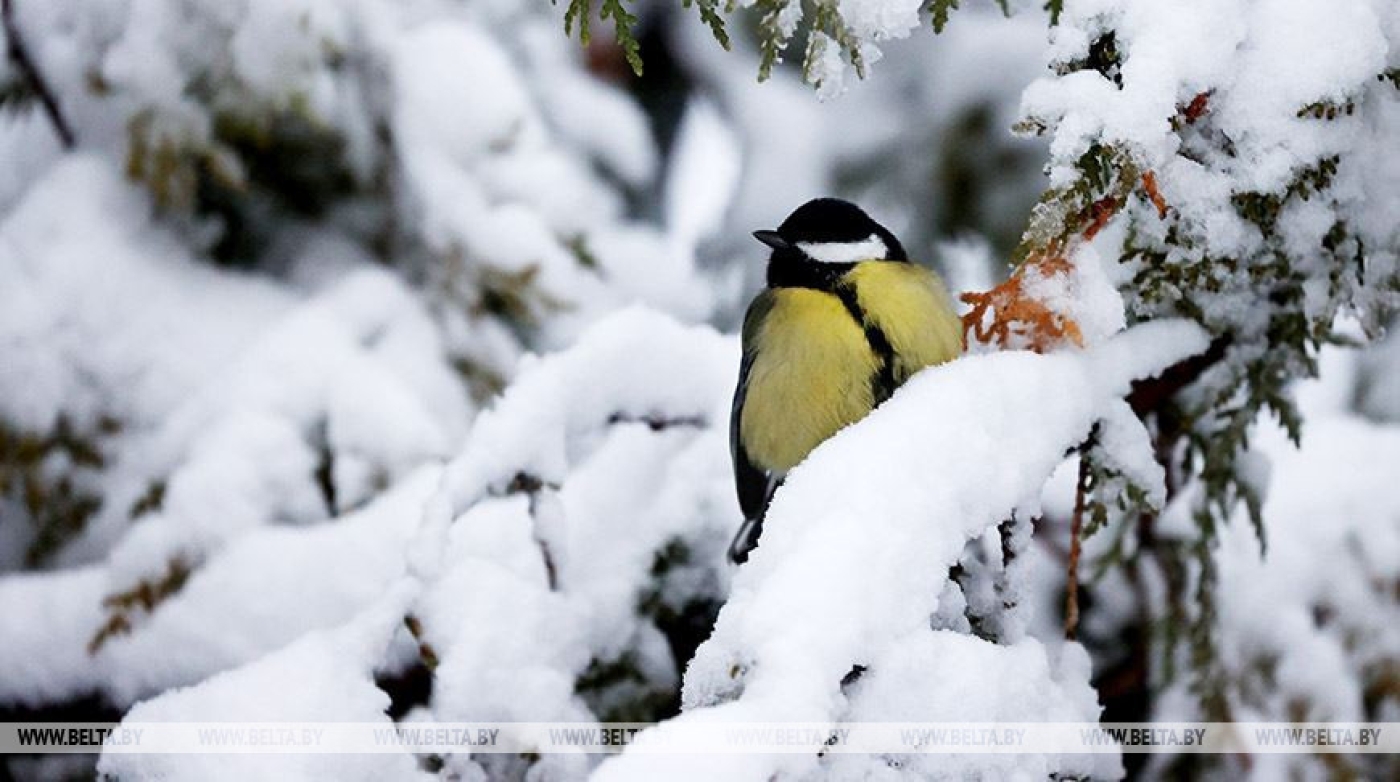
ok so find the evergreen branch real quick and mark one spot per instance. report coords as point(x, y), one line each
point(16, 94)
point(939, 10)
point(24, 63)
point(827, 19)
point(848, 41)
point(709, 14)
point(124, 608)
point(1326, 109)
point(1054, 8)
point(623, 22)
point(772, 40)
point(579, 11)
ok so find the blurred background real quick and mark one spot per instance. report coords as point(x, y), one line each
point(206, 167)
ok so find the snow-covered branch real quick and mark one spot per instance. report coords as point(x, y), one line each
point(858, 543)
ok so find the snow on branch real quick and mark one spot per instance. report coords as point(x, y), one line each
point(325, 676)
point(586, 513)
point(858, 541)
point(248, 416)
point(34, 81)
point(1225, 158)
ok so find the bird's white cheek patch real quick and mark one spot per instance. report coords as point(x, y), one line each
point(844, 252)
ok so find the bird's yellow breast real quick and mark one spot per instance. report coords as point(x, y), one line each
point(814, 367)
point(909, 304)
point(810, 377)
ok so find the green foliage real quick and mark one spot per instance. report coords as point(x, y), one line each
point(1202, 433)
point(1326, 109)
point(824, 26)
point(623, 22)
point(938, 11)
point(828, 26)
point(151, 501)
point(578, 245)
point(125, 608)
point(622, 690)
point(679, 601)
point(260, 162)
point(1112, 494)
point(1102, 57)
point(1054, 8)
point(16, 95)
point(579, 12)
point(1268, 320)
point(709, 14)
point(1108, 175)
point(771, 38)
point(50, 476)
point(483, 381)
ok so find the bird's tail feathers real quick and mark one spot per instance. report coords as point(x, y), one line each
point(745, 540)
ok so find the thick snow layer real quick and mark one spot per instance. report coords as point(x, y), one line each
point(263, 591)
point(493, 187)
point(1379, 379)
point(858, 540)
point(1256, 74)
point(1308, 625)
point(225, 387)
point(634, 367)
point(476, 136)
point(1252, 60)
point(1327, 503)
point(326, 676)
point(624, 435)
point(357, 368)
point(84, 313)
point(1024, 681)
point(1314, 628)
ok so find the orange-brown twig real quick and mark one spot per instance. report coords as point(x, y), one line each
point(1101, 212)
point(1013, 311)
point(1149, 186)
point(1008, 310)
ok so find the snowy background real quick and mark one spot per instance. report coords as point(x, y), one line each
point(370, 360)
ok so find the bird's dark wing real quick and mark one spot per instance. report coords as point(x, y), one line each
point(754, 485)
point(751, 482)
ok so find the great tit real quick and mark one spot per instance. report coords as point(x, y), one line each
point(844, 320)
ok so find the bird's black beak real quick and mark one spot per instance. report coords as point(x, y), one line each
point(772, 239)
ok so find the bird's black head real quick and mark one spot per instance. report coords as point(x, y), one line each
point(822, 240)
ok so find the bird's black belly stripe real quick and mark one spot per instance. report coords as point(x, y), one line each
point(882, 383)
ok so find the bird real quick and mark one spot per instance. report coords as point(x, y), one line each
point(844, 320)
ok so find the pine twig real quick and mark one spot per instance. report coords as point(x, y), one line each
point(24, 63)
point(1075, 534)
